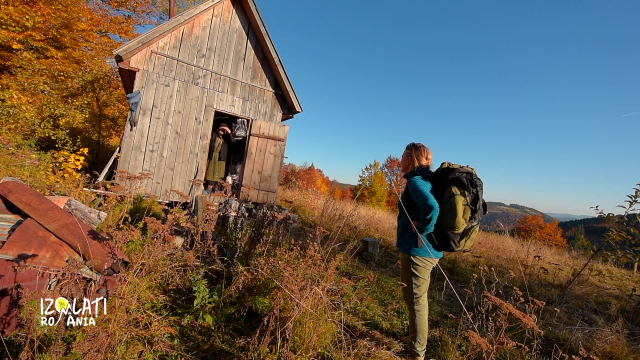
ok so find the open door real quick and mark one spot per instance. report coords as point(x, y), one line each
point(265, 153)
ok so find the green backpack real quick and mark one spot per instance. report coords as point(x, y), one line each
point(458, 190)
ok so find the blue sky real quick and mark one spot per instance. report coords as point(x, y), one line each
point(541, 97)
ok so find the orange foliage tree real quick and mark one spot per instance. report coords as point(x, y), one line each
point(534, 227)
point(60, 88)
point(393, 175)
point(309, 177)
point(304, 177)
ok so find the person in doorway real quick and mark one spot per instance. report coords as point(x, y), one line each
point(418, 211)
point(218, 159)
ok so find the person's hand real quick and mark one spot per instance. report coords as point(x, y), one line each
point(415, 223)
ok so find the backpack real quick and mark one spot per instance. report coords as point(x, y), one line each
point(458, 191)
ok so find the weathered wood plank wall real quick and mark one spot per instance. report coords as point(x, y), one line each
point(211, 63)
point(264, 157)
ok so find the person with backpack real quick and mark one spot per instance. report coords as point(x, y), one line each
point(418, 211)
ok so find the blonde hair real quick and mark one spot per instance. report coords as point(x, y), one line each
point(420, 154)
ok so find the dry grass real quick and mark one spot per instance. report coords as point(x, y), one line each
point(256, 288)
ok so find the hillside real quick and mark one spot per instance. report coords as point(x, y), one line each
point(503, 217)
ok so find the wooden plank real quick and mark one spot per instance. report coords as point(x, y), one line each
point(223, 37)
point(106, 169)
point(201, 48)
point(249, 56)
point(276, 112)
point(222, 99)
point(244, 100)
point(271, 147)
point(193, 164)
point(143, 59)
point(263, 105)
point(283, 131)
point(232, 92)
point(193, 49)
point(261, 79)
point(185, 48)
point(181, 174)
point(141, 142)
point(234, 24)
point(239, 56)
point(172, 141)
point(254, 77)
point(259, 162)
point(174, 49)
point(241, 24)
point(227, 86)
point(163, 47)
point(151, 57)
point(129, 135)
point(214, 30)
point(135, 60)
point(242, 38)
point(205, 136)
point(165, 136)
point(250, 159)
point(270, 81)
point(268, 106)
point(155, 129)
point(253, 94)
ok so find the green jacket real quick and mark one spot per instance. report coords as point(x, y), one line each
point(421, 206)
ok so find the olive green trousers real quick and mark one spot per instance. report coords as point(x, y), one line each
point(415, 273)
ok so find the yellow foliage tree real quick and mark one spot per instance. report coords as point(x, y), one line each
point(372, 188)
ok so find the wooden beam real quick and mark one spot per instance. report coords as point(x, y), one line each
point(214, 72)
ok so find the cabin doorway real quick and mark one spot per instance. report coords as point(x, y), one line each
point(231, 149)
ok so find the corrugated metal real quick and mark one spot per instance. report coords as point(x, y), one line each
point(14, 281)
point(91, 245)
point(34, 245)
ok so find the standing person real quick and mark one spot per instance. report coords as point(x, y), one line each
point(218, 160)
point(418, 210)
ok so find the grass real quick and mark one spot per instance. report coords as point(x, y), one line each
point(258, 288)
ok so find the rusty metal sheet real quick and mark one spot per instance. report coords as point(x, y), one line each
point(13, 282)
point(34, 245)
point(92, 246)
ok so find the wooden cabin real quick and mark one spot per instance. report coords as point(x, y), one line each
point(211, 64)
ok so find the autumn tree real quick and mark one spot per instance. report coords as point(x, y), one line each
point(304, 177)
point(60, 87)
point(289, 176)
point(372, 188)
point(393, 175)
point(534, 227)
point(347, 193)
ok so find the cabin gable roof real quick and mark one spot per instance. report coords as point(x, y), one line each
point(128, 50)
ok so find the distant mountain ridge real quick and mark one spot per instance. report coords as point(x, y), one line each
point(568, 217)
point(503, 217)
